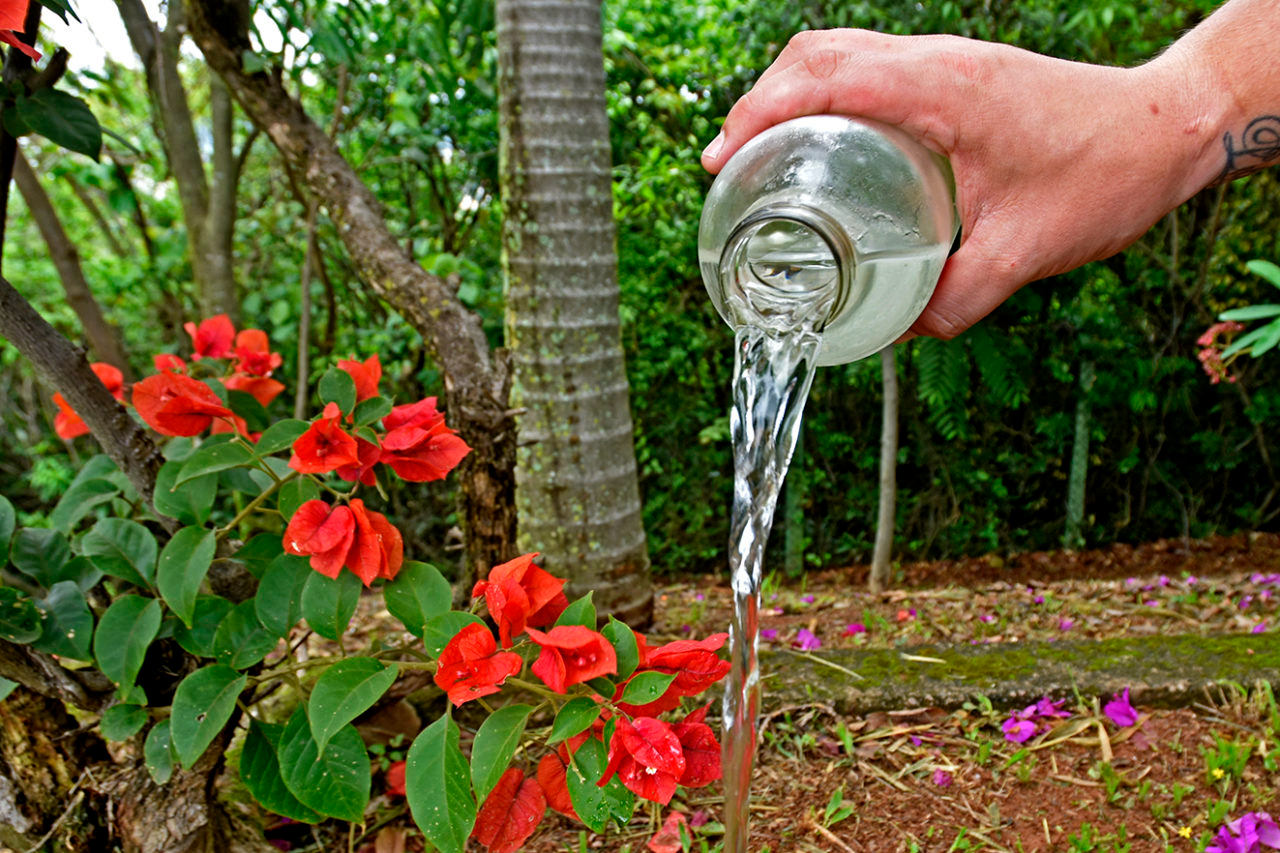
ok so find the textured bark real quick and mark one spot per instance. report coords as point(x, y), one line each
point(476, 381)
point(576, 485)
point(885, 518)
point(102, 336)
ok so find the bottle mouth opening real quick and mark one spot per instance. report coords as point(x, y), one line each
point(787, 266)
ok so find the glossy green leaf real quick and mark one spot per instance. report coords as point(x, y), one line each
point(294, 494)
point(212, 458)
point(8, 522)
point(279, 598)
point(79, 500)
point(418, 594)
point(124, 633)
point(343, 692)
point(6, 687)
point(337, 386)
point(584, 770)
point(1250, 312)
point(123, 549)
point(574, 716)
point(68, 624)
point(259, 553)
point(202, 705)
point(255, 415)
point(580, 612)
point(19, 618)
point(371, 410)
point(157, 752)
point(260, 772)
point(280, 435)
point(647, 687)
point(40, 554)
point(121, 722)
point(1266, 269)
point(241, 640)
point(61, 8)
point(189, 504)
point(623, 640)
point(199, 638)
point(495, 744)
point(336, 782)
point(438, 786)
point(329, 604)
point(182, 567)
point(439, 630)
point(63, 119)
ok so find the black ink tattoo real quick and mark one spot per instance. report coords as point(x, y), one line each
point(1259, 148)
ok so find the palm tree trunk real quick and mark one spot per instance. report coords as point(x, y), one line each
point(885, 519)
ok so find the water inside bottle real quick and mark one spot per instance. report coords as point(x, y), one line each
point(781, 275)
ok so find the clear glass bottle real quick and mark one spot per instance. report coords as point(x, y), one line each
point(841, 224)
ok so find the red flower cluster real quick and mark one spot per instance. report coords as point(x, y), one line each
point(470, 666)
point(1210, 356)
point(352, 536)
point(521, 595)
point(694, 663)
point(67, 424)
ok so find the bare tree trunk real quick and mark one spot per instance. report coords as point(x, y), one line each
point(218, 285)
point(576, 486)
point(102, 337)
point(1073, 535)
point(476, 381)
point(885, 518)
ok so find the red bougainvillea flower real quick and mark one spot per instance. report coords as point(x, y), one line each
point(667, 839)
point(572, 654)
point(420, 454)
point(325, 445)
point(213, 338)
point(168, 361)
point(323, 533)
point(368, 454)
point(701, 750)
point(647, 757)
point(510, 813)
point(395, 779)
point(520, 593)
point(377, 551)
point(261, 388)
point(12, 22)
point(471, 666)
point(253, 353)
point(67, 424)
point(555, 784)
point(235, 424)
point(174, 404)
point(366, 374)
point(422, 414)
point(694, 663)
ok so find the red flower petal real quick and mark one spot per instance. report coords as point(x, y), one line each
point(213, 338)
point(325, 446)
point(366, 375)
point(572, 654)
point(510, 813)
point(261, 388)
point(421, 456)
point(322, 533)
point(470, 665)
point(174, 404)
point(555, 784)
point(423, 414)
point(11, 38)
point(395, 779)
point(667, 839)
point(701, 754)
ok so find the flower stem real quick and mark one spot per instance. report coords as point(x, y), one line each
point(254, 504)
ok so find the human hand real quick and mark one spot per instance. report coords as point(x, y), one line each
point(1057, 163)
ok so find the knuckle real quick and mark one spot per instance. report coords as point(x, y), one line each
point(823, 64)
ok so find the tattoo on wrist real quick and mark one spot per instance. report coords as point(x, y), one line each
point(1258, 147)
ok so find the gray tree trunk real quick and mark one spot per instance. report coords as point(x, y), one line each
point(885, 519)
point(576, 488)
point(1073, 535)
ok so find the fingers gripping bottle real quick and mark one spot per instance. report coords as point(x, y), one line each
point(835, 223)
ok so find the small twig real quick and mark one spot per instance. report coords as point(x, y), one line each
point(830, 836)
point(75, 801)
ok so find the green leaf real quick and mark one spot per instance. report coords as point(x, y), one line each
point(1268, 340)
point(280, 435)
point(1250, 339)
point(202, 704)
point(439, 630)
point(279, 598)
point(1266, 269)
point(495, 744)
point(647, 687)
point(438, 787)
point(6, 687)
point(40, 554)
point(157, 752)
point(212, 458)
point(192, 503)
point(260, 771)
point(334, 782)
point(80, 571)
point(590, 801)
point(259, 553)
point(418, 594)
point(8, 521)
point(79, 500)
point(294, 494)
point(121, 722)
point(209, 613)
point(124, 633)
point(1251, 312)
point(328, 604)
point(123, 549)
point(343, 692)
point(182, 567)
point(337, 386)
point(68, 624)
point(574, 716)
point(623, 640)
point(63, 119)
point(19, 618)
point(256, 417)
point(241, 640)
point(61, 8)
point(371, 410)
point(581, 612)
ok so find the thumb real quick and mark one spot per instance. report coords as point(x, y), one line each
point(974, 281)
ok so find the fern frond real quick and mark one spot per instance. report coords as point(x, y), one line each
point(943, 385)
point(1004, 384)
